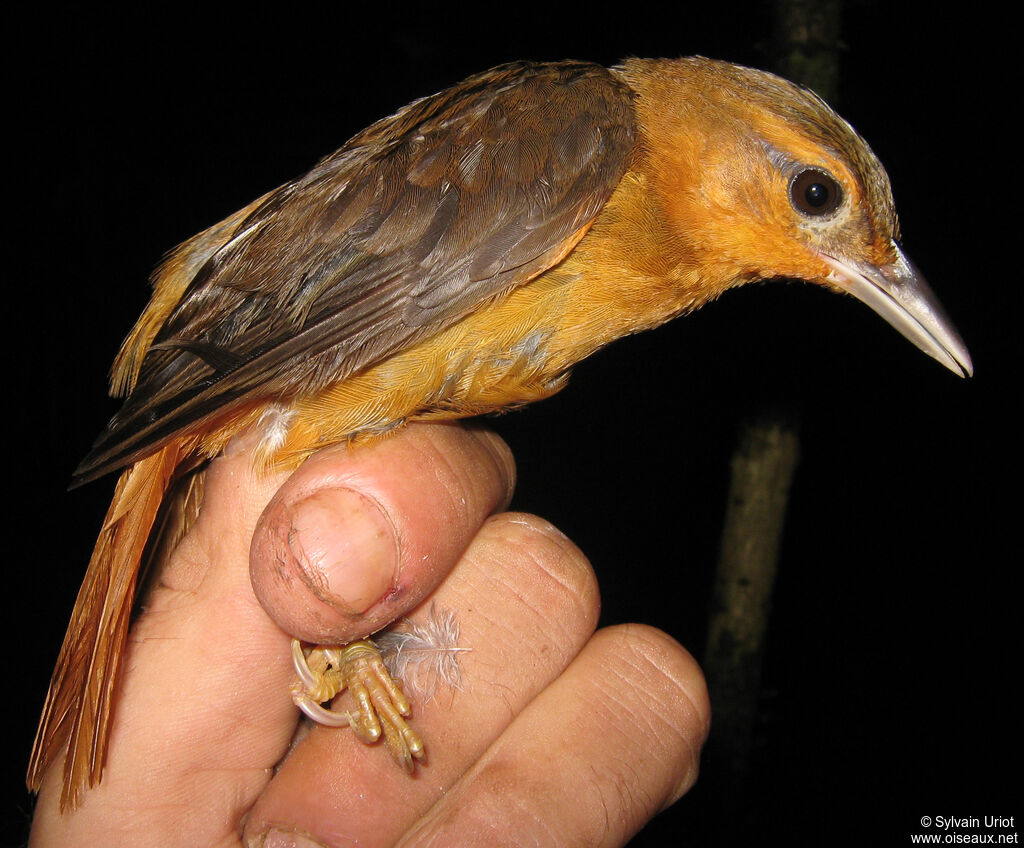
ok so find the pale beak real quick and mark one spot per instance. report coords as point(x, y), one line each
point(902, 297)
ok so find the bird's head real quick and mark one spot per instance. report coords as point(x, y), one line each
point(759, 178)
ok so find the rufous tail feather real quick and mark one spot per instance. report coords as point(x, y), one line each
point(80, 701)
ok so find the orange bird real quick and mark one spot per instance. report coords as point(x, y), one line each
point(458, 258)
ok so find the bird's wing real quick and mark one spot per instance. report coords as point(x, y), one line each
point(414, 223)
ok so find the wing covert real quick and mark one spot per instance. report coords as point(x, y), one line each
point(409, 227)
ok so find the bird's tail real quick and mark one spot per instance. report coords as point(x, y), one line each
point(79, 703)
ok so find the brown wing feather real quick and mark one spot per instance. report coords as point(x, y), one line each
point(410, 226)
point(170, 282)
point(80, 699)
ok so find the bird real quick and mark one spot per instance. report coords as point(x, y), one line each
point(458, 258)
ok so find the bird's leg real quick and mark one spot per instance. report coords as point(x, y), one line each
point(324, 672)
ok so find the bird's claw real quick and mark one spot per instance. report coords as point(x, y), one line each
point(380, 702)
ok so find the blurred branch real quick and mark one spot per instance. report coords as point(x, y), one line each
point(805, 49)
point(805, 44)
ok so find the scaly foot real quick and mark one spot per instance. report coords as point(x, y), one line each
point(381, 704)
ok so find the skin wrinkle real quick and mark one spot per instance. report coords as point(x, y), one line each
point(455, 480)
point(536, 806)
point(577, 580)
point(645, 656)
point(566, 552)
point(613, 721)
point(502, 457)
point(497, 813)
point(451, 481)
point(597, 792)
point(187, 565)
point(580, 615)
point(642, 652)
point(526, 528)
point(495, 671)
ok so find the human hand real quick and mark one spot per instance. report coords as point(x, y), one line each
point(557, 735)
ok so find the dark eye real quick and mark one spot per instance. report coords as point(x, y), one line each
point(814, 192)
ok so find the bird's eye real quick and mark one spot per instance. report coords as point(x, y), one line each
point(815, 192)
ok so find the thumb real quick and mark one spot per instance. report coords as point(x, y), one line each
point(359, 535)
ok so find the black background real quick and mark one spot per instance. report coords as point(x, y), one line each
point(892, 676)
